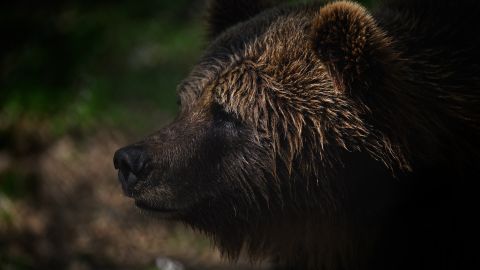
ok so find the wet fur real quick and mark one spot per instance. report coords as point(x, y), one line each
point(337, 138)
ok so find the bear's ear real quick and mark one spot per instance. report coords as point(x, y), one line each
point(225, 13)
point(355, 50)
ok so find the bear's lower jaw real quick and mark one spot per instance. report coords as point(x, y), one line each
point(161, 212)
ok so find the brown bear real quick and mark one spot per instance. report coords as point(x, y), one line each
point(325, 136)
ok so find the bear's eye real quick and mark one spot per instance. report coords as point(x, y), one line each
point(224, 118)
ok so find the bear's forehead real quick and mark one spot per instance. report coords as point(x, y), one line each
point(275, 44)
point(271, 35)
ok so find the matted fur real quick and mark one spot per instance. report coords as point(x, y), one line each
point(327, 137)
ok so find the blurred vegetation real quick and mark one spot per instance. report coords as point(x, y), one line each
point(74, 62)
point(76, 67)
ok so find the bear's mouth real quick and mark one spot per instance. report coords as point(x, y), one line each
point(163, 211)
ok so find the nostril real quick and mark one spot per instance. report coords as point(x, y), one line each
point(130, 162)
point(130, 159)
point(122, 161)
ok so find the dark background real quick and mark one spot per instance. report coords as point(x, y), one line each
point(78, 79)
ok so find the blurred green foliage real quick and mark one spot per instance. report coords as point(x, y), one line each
point(71, 65)
point(77, 62)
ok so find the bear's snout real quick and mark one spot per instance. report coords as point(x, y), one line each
point(130, 162)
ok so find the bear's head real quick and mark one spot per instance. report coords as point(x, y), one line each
point(273, 119)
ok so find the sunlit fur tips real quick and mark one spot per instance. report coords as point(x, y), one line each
point(348, 40)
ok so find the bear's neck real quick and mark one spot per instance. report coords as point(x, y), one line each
point(427, 101)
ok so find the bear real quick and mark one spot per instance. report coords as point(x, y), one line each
point(325, 136)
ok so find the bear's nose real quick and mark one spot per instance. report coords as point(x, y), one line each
point(130, 162)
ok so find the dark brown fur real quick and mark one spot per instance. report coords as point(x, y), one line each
point(327, 137)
